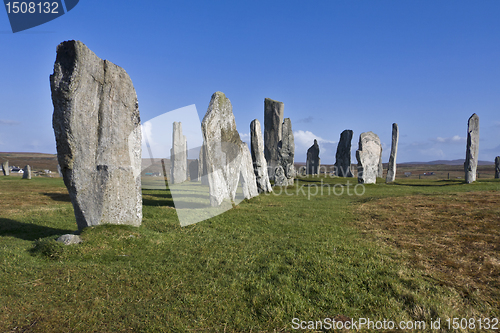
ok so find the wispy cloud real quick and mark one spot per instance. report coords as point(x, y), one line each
point(305, 139)
point(453, 139)
point(245, 137)
point(9, 122)
point(306, 120)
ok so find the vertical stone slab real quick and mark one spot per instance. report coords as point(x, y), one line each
point(368, 156)
point(497, 167)
point(193, 171)
point(259, 161)
point(472, 149)
point(98, 135)
point(312, 159)
point(5, 168)
point(286, 151)
point(227, 161)
point(202, 165)
point(380, 173)
point(391, 171)
point(27, 172)
point(178, 155)
point(343, 155)
point(273, 124)
point(247, 175)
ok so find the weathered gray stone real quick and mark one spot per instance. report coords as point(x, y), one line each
point(343, 155)
point(69, 239)
point(202, 165)
point(286, 151)
point(312, 160)
point(98, 135)
point(27, 172)
point(5, 168)
point(497, 167)
point(193, 171)
point(59, 171)
point(280, 177)
point(259, 161)
point(178, 155)
point(226, 157)
point(273, 124)
point(391, 170)
point(380, 173)
point(368, 156)
point(472, 150)
point(247, 173)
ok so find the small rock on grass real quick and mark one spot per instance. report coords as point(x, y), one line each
point(69, 239)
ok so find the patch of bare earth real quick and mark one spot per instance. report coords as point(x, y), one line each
point(455, 238)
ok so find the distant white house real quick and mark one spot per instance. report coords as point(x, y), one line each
point(16, 169)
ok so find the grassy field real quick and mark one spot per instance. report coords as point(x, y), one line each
point(415, 250)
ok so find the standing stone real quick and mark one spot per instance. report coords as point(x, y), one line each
point(472, 151)
point(391, 171)
point(193, 171)
point(368, 156)
point(5, 168)
point(165, 174)
point(312, 160)
point(59, 171)
point(202, 165)
point(343, 155)
point(259, 161)
point(380, 166)
point(286, 151)
point(178, 155)
point(280, 178)
point(247, 173)
point(27, 172)
point(98, 135)
point(497, 167)
point(227, 157)
point(273, 124)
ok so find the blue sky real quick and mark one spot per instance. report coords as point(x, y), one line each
point(360, 65)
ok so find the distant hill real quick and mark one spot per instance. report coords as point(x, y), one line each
point(450, 162)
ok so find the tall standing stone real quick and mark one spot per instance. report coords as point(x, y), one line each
point(259, 161)
point(312, 160)
point(5, 168)
point(178, 155)
point(391, 170)
point(286, 151)
point(343, 155)
point(368, 156)
point(273, 126)
point(27, 172)
point(98, 135)
point(380, 173)
point(202, 165)
point(497, 167)
point(472, 150)
point(228, 159)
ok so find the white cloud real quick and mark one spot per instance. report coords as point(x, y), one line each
point(453, 139)
point(245, 137)
point(305, 139)
point(9, 122)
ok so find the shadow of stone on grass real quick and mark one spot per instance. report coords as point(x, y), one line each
point(28, 231)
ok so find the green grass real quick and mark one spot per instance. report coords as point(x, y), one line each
point(254, 268)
